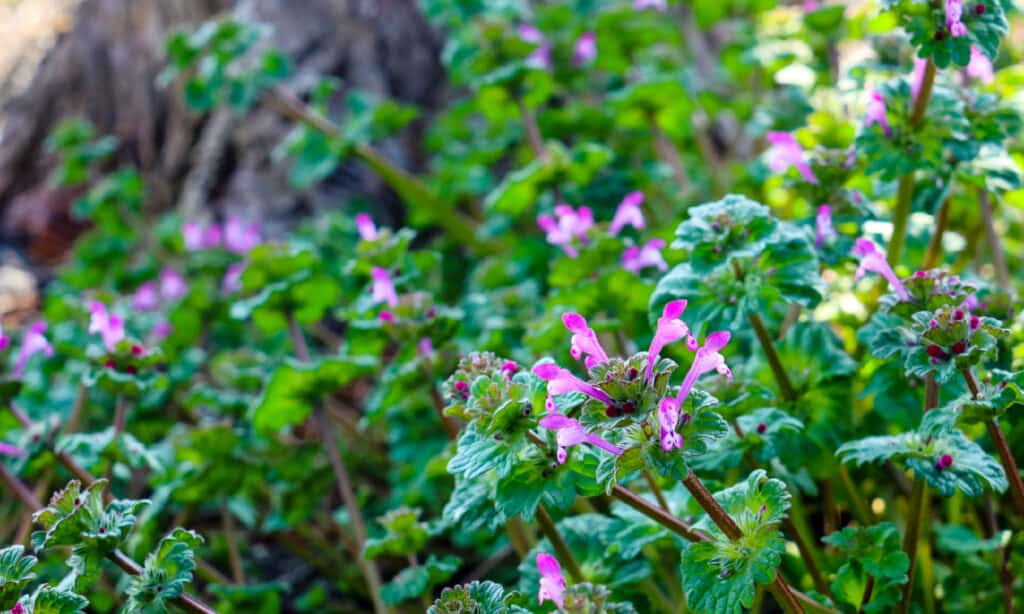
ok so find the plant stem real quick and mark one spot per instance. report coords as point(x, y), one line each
point(785, 385)
point(120, 415)
point(533, 135)
point(450, 428)
point(859, 506)
point(657, 596)
point(994, 244)
point(905, 190)
point(565, 556)
point(657, 514)
point(231, 538)
point(519, 537)
point(348, 497)
point(668, 153)
point(868, 589)
point(931, 257)
point(653, 483)
point(1002, 447)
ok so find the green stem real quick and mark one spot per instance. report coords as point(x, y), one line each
point(931, 257)
point(859, 506)
point(781, 378)
point(565, 556)
point(652, 482)
point(996, 247)
point(657, 596)
point(866, 599)
point(1002, 447)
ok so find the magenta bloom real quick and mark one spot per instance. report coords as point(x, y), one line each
point(146, 297)
point(571, 432)
point(628, 214)
point(872, 260)
point(786, 152)
point(585, 49)
point(197, 237)
point(954, 13)
point(636, 258)
point(539, 58)
point(7, 449)
point(552, 582)
point(568, 225)
point(876, 112)
point(915, 84)
point(386, 317)
point(109, 326)
point(668, 420)
point(823, 230)
point(4, 339)
point(562, 381)
point(365, 227)
point(708, 359)
point(671, 328)
point(383, 287)
point(232, 280)
point(33, 343)
point(172, 285)
point(584, 343)
point(657, 5)
point(425, 347)
point(980, 67)
point(240, 237)
point(161, 330)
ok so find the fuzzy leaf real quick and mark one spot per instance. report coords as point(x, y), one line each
point(870, 551)
point(15, 574)
point(295, 387)
point(166, 572)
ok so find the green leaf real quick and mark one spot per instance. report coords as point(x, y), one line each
point(413, 582)
point(55, 601)
point(1004, 392)
point(15, 575)
point(478, 597)
point(870, 551)
point(719, 232)
point(165, 573)
point(404, 534)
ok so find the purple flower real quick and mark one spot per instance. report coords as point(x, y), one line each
point(562, 381)
point(552, 582)
point(571, 432)
point(920, 64)
point(109, 326)
point(658, 5)
point(873, 261)
point(172, 285)
point(146, 297)
point(671, 328)
point(232, 280)
point(980, 67)
point(4, 339)
point(568, 225)
point(708, 359)
point(364, 225)
point(786, 152)
point(425, 347)
point(539, 58)
point(529, 33)
point(584, 343)
point(161, 330)
point(876, 112)
point(811, 5)
point(510, 368)
point(33, 343)
point(628, 214)
point(240, 237)
point(7, 449)
point(197, 237)
point(636, 258)
point(954, 12)
point(386, 317)
point(383, 288)
point(668, 420)
point(823, 230)
point(585, 49)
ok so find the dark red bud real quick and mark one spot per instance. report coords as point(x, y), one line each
point(936, 352)
point(78, 501)
point(612, 412)
point(975, 322)
point(940, 34)
point(945, 461)
point(628, 408)
point(958, 315)
point(761, 428)
point(632, 373)
point(102, 531)
point(685, 418)
point(131, 370)
point(959, 347)
point(110, 364)
point(431, 313)
point(920, 274)
point(979, 9)
point(138, 350)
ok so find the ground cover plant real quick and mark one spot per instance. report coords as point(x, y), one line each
point(661, 331)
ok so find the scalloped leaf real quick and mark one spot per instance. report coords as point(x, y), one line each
point(870, 551)
point(15, 575)
point(165, 574)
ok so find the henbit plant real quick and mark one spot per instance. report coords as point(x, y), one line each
point(484, 414)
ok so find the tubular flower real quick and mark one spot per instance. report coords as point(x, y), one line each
point(636, 258)
point(668, 420)
point(628, 214)
point(584, 343)
point(172, 285)
point(240, 237)
point(552, 582)
point(33, 343)
point(197, 237)
point(383, 288)
point(568, 225)
point(585, 49)
point(915, 83)
point(232, 280)
point(786, 152)
point(562, 381)
point(876, 112)
point(146, 297)
point(980, 67)
point(657, 5)
point(7, 449)
point(4, 339)
point(708, 359)
point(364, 225)
point(539, 58)
point(109, 326)
point(670, 328)
point(873, 261)
point(823, 230)
point(571, 432)
point(954, 13)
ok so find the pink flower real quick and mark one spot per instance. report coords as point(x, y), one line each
point(811, 5)
point(786, 152)
point(33, 343)
point(539, 58)
point(708, 359)
point(568, 225)
point(146, 297)
point(383, 288)
point(954, 12)
point(876, 112)
point(873, 261)
point(657, 5)
point(109, 326)
point(240, 237)
point(232, 280)
point(585, 49)
point(571, 432)
point(671, 328)
point(529, 33)
point(584, 343)
point(668, 421)
point(920, 64)
point(980, 67)
point(425, 347)
point(172, 285)
point(161, 330)
point(510, 368)
point(364, 225)
point(562, 381)
point(386, 317)
point(552, 582)
point(7, 449)
point(628, 214)
point(197, 237)
point(636, 258)
point(823, 230)
point(5, 340)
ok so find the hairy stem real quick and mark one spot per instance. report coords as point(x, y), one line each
point(994, 244)
point(657, 514)
point(652, 482)
point(565, 556)
point(785, 385)
point(1002, 448)
point(931, 257)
